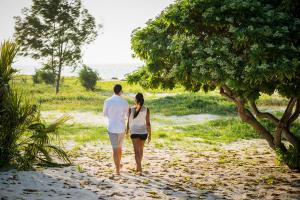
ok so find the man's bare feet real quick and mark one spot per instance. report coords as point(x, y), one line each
point(139, 173)
point(117, 172)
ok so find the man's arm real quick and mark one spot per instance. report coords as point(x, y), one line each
point(148, 125)
point(105, 109)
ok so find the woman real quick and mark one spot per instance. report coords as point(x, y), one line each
point(140, 129)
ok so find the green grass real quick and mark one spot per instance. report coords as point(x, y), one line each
point(192, 103)
point(82, 134)
point(73, 97)
point(212, 132)
point(221, 130)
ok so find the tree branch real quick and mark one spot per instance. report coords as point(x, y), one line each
point(225, 91)
point(247, 116)
point(265, 115)
point(288, 111)
point(282, 124)
point(295, 115)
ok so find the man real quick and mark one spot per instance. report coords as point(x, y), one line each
point(116, 110)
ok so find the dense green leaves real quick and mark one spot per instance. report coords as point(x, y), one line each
point(251, 46)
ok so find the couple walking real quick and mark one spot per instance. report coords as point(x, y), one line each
point(117, 110)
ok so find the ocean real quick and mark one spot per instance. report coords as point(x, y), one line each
point(105, 71)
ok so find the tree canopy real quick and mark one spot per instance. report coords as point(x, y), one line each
point(54, 31)
point(243, 47)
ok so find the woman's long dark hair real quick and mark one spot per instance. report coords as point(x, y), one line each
point(140, 100)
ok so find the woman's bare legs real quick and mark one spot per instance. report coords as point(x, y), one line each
point(136, 153)
point(140, 155)
point(138, 146)
point(141, 146)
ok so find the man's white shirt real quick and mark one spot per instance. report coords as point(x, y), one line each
point(116, 110)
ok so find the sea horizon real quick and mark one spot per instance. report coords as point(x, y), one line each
point(107, 71)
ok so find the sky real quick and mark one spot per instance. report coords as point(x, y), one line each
point(118, 17)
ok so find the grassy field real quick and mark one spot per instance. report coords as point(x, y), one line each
point(73, 97)
point(167, 102)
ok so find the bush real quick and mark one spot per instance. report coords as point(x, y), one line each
point(44, 75)
point(290, 157)
point(24, 139)
point(36, 78)
point(88, 78)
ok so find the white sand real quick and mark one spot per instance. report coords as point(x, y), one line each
point(93, 118)
point(245, 170)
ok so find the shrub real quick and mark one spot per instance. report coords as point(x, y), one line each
point(88, 78)
point(44, 75)
point(290, 157)
point(24, 139)
point(36, 77)
point(48, 76)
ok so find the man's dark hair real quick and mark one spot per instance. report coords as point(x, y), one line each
point(117, 88)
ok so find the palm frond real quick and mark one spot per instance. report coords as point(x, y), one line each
point(59, 152)
point(60, 121)
point(8, 51)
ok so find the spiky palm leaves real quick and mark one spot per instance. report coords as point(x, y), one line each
point(24, 139)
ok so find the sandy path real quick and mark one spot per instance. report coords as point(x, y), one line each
point(244, 170)
point(92, 118)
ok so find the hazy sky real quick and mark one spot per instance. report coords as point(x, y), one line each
point(119, 18)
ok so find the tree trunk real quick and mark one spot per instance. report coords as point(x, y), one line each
point(247, 116)
point(292, 139)
point(291, 158)
point(286, 134)
point(58, 80)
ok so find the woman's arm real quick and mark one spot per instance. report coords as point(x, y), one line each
point(148, 125)
point(127, 128)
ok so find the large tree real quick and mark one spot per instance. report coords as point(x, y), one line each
point(54, 31)
point(244, 48)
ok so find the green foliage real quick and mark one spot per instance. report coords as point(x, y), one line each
point(24, 139)
point(88, 78)
point(251, 46)
point(54, 32)
point(290, 157)
point(44, 75)
point(246, 47)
